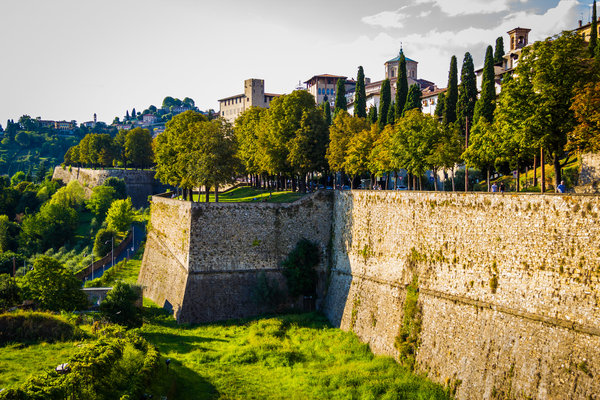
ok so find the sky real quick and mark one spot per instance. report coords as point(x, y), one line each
point(69, 59)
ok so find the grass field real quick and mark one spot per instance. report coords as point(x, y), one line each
point(248, 194)
point(283, 357)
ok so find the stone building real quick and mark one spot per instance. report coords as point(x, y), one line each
point(323, 87)
point(254, 96)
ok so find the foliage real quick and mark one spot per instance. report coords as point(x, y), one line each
point(585, 136)
point(413, 100)
point(53, 287)
point(9, 231)
point(340, 96)
point(499, 51)
point(408, 339)
point(119, 306)
point(358, 158)
point(26, 327)
point(299, 268)
point(10, 294)
point(138, 148)
point(100, 200)
point(593, 44)
point(126, 271)
point(72, 195)
point(401, 88)
point(343, 129)
point(485, 150)
point(120, 215)
point(441, 105)
point(467, 93)
point(372, 116)
point(486, 104)
point(104, 242)
point(451, 97)
point(327, 113)
point(360, 96)
point(119, 185)
point(50, 228)
point(384, 103)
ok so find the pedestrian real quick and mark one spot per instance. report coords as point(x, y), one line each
point(561, 188)
point(494, 187)
point(501, 187)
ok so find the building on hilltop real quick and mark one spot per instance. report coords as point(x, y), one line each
point(323, 87)
point(254, 96)
point(373, 89)
point(586, 30)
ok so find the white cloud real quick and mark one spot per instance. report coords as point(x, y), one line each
point(387, 19)
point(462, 7)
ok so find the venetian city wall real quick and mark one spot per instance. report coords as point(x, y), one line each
point(508, 287)
point(508, 284)
point(203, 260)
point(140, 183)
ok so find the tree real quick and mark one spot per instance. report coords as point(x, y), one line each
point(467, 93)
point(384, 105)
point(358, 158)
point(9, 231)
point(120, 215)
point(340, 96)
point(72, 195)
point(413, 100)
point(119, 185)
point(441, 104)
point(138, 147)
point(41, 172)
point(10, 292)
point(133, 114)
point(551, 85)
point(391, 114)
point(104, 242)
point(188, 102)
point(327, 112)
point(485, 147)
point(247, 129)
point(299, 268)
point(380, 159)
point(451, 97)
point(499, 51)
point(594, 33)
point(486, 104)
point(100, 200)
point(54, 225)
point(585, 136)
point(360, 96)
point(119, 306)
point(372, 116)
point(53, 287)
point(343, 129)
point(401, 88)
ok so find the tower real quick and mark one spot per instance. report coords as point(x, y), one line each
point(519, 38)
point(254, 90)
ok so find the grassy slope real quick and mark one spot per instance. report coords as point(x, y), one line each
point(126, 271)
point(249, 194)
point(284, 357)
point(18, 362)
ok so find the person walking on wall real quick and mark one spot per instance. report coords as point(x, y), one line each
point(561, 188)
point(501, 187)
point(494, 187)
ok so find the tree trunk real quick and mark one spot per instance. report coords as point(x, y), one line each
point(535, 171)
point(557, 170)
point(453, 187)
point(518, 186)
point(466, 179)
point(294, 183)
point(216, 192)
point(543, 174)
point(488, 180)
point(421, 183)
point(207, 193)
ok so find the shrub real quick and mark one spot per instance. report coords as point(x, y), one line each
point(119, 306)
point(119, 186)
point(10, 293)
point(299, 268)
point(102, 242)
point(33, 326)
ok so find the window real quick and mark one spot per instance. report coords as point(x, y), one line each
point(327, 91)
point(392, 72)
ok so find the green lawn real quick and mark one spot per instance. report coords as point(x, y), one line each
point(19, 361)
point(126, 271)
point(248, 194)
point(283, 357)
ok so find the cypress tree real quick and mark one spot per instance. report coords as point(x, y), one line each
point(499, 52)
point(126, 115)
point(486, 104)
point(340, 96)
point(327, 112)
point(439, 108)
point(372, 117)
point(391, 113)
point(360, 95)
point(401, 87)
point(467, 92)
point(133, 114)
point(384, 103)
point(594, 32)
point(451, 93)
point(413, 100)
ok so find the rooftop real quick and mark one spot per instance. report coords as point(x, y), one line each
point(397, 58)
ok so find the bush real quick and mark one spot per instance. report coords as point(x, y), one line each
point(10, 292)
point(299, 268)
point(119, 306)
point(120, 215)
point(119, 186)
point(33, 326)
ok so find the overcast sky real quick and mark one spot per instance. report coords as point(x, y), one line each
point(66, 59)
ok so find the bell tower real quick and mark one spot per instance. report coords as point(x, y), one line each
point(519, 38)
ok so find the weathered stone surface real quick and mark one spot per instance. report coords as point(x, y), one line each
point(589, 176)
point(140, 184)
point(537, 335)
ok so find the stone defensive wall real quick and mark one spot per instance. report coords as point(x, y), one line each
point(508, 287)
point(140, 183)
point(203, 260)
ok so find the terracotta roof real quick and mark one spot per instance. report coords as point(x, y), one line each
point(430, 93)
point(232, 97)
point(326, 76)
